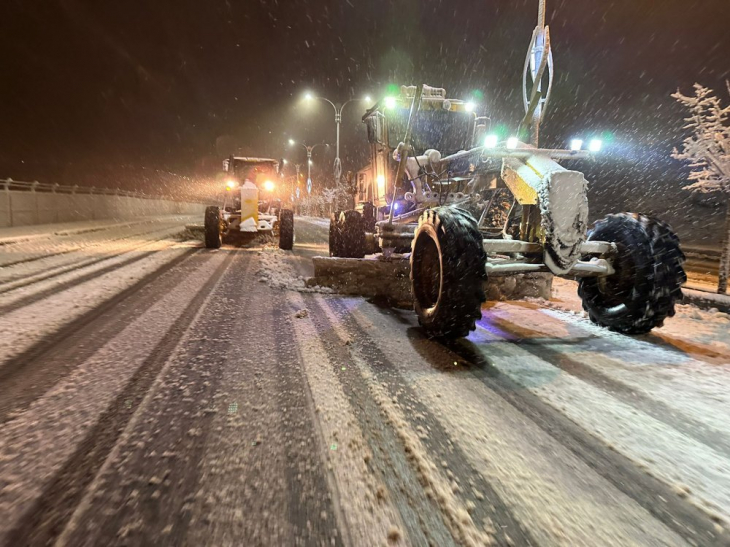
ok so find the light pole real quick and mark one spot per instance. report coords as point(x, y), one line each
point(309, 150)
point(338, 120)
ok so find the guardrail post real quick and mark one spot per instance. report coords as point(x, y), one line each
point(6, 184)
point(35, 202)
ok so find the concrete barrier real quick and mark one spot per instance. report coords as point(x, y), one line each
point(27, 208)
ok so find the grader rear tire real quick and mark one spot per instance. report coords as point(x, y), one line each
point(448, 272)
point(648, 279)
point(213, 239)
point(352, 229)
point(286, 229)
point(335, 239)
point(369, 214)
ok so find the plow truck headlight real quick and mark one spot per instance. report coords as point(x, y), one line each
point(576, 144)
point(595, 145)
point(390, 102)
point(490, 141)
point(231, 184)
point(269, 186)
point(512, 143)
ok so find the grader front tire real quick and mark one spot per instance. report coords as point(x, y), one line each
point(213, 239)
point(286, 229)
point(648, 276)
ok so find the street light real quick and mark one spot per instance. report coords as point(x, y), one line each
point(338, 119)
point(309, 150)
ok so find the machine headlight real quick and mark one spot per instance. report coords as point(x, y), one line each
point(269, 186)
point(595, 145)
point(490, 141)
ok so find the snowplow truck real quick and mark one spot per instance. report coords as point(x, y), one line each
point(249, 204)
point(466, 205)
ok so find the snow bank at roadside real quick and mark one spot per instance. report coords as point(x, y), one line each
point(690, 325)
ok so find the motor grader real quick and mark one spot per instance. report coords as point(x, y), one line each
point(467, 204)
point(250, 204)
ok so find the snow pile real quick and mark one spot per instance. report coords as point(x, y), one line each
point(279, 273)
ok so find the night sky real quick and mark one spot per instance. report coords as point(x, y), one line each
point(173, 85)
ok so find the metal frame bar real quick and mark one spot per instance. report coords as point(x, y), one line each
point(519, 246)
point(596, 267)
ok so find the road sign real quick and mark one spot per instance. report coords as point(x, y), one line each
point(297, 192)
point(309, 186)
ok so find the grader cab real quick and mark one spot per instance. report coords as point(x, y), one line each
point(481, 205)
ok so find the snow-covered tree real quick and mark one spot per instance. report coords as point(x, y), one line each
point(707, 151)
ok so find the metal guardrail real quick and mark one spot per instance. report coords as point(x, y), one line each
point(35, 186)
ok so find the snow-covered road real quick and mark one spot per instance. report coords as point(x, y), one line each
point(156, 393)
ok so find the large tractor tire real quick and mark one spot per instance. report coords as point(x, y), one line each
point(648, 276)
point(335, 240)
point(286, 229)
point(352, 229)
point(448, 271)
point(213, 237)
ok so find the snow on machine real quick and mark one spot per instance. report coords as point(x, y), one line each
point(250, 204)
point(467, 203)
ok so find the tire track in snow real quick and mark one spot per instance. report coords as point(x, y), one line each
point(25, 280)
point(42, 255)
point(311, 488)
point(65, 285)
point(27, 376)
point(490, 508)
point(46, 518)
point(658, 410)
point(549, 490)
point(653, 495)
point(423, 521)
point(370, 514)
